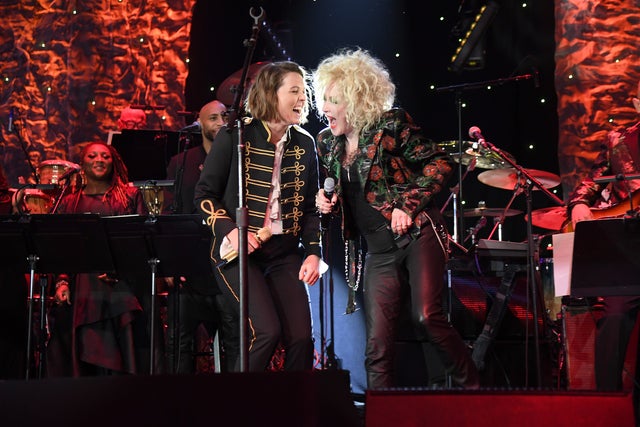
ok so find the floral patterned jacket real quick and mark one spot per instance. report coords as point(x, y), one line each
point(616, 157)
point(398, 167)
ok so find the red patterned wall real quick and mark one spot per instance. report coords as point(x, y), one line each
point(69, 67)
point(597, 72)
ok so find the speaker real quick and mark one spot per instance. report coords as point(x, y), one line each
point(315, 398)
point(492, 408)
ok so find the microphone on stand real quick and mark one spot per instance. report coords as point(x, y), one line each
point(329, 188)
point(476, 133)
point(71, 171)
point(195, 127)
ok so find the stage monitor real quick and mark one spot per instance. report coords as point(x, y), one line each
point(146, 152)
point(606, 258)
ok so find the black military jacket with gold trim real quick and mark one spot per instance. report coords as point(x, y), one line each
point(216, 194)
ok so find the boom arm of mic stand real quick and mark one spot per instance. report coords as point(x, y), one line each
point(483, 84)
point(523, 173)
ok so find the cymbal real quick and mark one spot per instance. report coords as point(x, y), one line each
point(507, 178)
point(227, 90)
point(553, 218)
point(486, 212)
point(485, 159)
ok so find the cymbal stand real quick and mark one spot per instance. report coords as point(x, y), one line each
point(500, 220)
point(453, 195)
point(529, 183)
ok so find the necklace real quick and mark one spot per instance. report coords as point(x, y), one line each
point(350, 157)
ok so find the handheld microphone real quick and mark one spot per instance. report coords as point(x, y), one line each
point(192, 128)
point(476, 133)
point(262, 235)
point(329, 188)
point(10, 126)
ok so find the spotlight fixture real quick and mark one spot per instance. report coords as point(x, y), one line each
point(470, 52)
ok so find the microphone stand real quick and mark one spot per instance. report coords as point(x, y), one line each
point(329, 350)
point(236, 124)
point(36, 175)
point(530, 183)
point(176, 208)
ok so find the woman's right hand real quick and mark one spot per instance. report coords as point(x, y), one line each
point(580, 212)
point(323, 204)
point(251, 237)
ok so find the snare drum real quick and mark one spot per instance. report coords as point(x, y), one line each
point(51, 170)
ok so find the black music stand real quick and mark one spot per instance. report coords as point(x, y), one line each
point(70, 243)
point(169, 244)
point(146, 152)
point(16, 254)
point(606, 258)
point(73, 243)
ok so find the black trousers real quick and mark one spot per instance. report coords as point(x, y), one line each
point(279, 305)
point(421, 266)
point(613, 331)
point(194, 309)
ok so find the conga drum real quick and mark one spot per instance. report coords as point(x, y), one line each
point(153, 197)
point(50, 171)
point(35, 201)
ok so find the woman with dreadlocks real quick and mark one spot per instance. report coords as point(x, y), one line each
point(105, 325)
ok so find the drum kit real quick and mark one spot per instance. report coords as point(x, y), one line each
point(500, 174)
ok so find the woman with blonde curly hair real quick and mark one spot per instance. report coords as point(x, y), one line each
point(387, 175)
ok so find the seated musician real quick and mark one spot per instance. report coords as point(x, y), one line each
point(99, 323)
point(619, 155)
point(132, 118)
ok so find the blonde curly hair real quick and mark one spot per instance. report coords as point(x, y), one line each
point(362, 81)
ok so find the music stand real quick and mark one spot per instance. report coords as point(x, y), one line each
point(168, 244)
point(14, 251)
point(70, 243)
point(56, 244)
point(146, 152)
point(15, 254)
point(606, 258)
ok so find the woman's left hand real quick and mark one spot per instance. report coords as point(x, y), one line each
point(400, 221)
point(310, 270)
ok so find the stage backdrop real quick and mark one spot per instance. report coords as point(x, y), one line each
point(69, 67)
point(597, 73)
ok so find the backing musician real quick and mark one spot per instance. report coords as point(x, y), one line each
point(619, 155)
